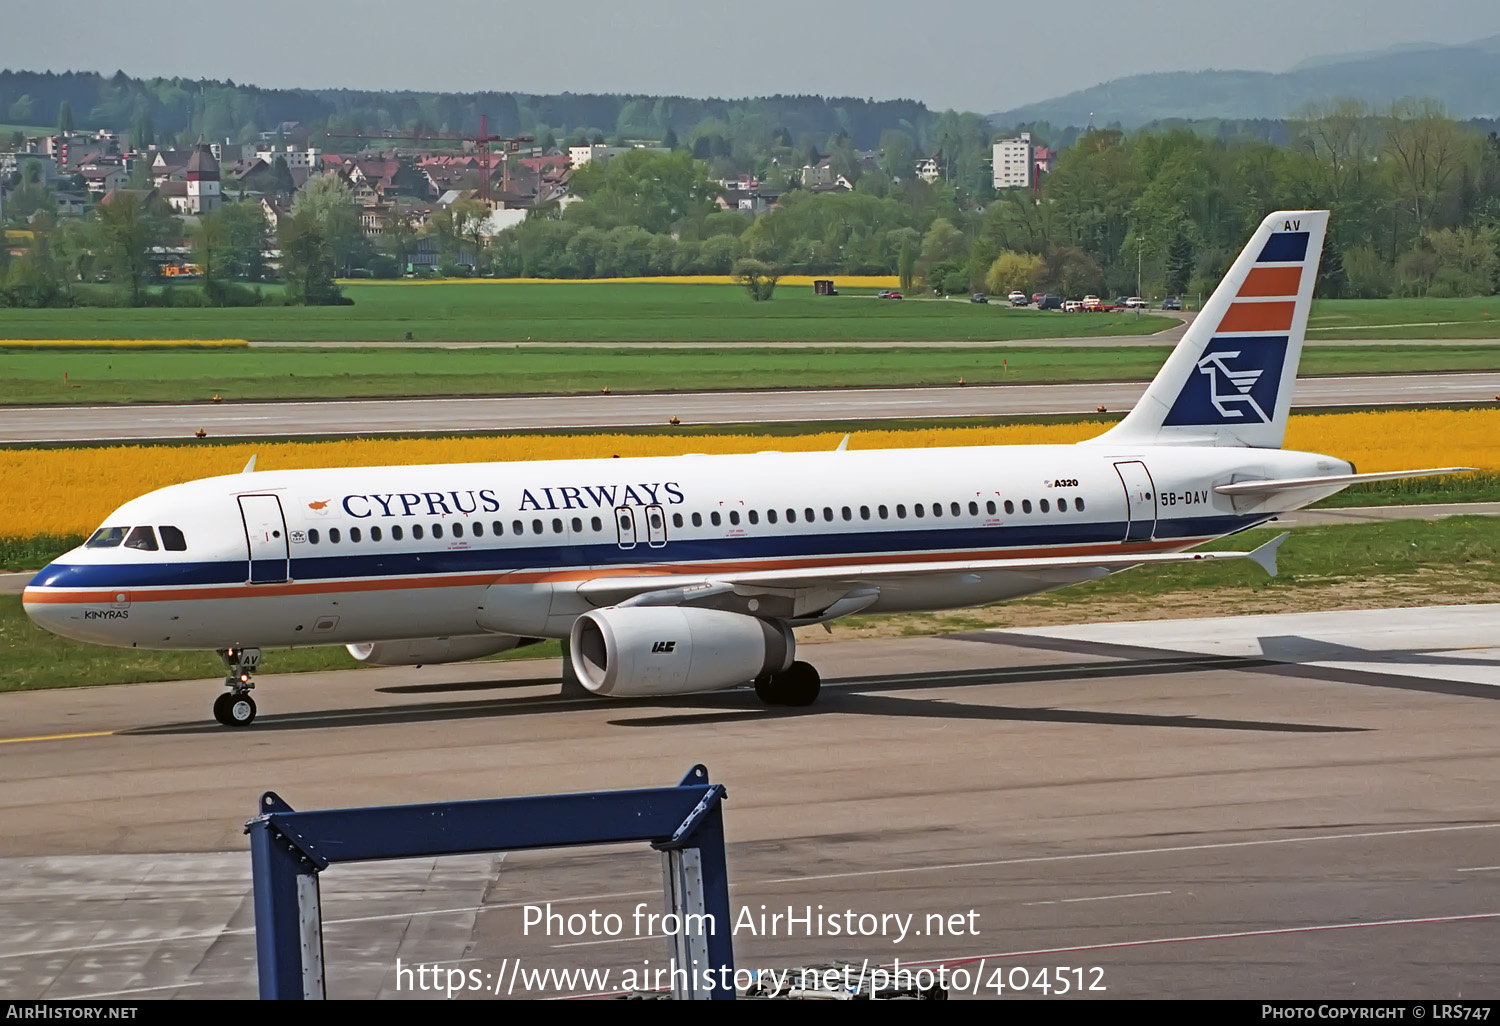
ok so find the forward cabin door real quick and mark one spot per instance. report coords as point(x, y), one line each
point(1140, 501)
point(265, 537)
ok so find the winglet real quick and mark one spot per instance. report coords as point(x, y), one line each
point(1265, 555)
point(843, 445)
point(250, 467)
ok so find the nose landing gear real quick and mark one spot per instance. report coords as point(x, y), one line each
point(235, 708)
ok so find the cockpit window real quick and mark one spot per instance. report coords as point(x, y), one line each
point(172, 539)
point(141, 538)
point(106, 538)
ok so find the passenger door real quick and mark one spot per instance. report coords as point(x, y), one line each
point(265, 539)
point(1140, 501)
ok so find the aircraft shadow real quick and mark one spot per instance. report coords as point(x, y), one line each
point(472, 685)
point(855, 695)
point(1292, 648)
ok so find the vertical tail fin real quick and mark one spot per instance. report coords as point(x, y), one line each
point(1230, 379)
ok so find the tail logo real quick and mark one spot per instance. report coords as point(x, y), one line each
point(1240, 382)
point(1237, 383)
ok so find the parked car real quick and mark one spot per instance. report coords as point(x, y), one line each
point(889, 294)
point(1036, 297)
point(1091, 303)
point(1047, 301)
point(979, 297)
point(1171, 303)
point(1136, 303)
point(1073, 306)
point(1122, 301)
point(1018, 298)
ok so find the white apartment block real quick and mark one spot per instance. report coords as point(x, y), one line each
point(310, 158)
point(1014, 162)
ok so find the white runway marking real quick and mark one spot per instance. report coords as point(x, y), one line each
point(1102, 897)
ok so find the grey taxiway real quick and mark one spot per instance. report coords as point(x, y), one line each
point(1287, 807)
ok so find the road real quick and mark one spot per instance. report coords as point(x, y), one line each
point(512, 413)
point(1289, 807)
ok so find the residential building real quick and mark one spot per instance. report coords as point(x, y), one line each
point(929, 169)
point(1013, 162)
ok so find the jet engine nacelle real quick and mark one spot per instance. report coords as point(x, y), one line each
point(639, 651)
point(421, 651)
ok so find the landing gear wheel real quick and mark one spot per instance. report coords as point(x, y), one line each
point(797, 685)
point(234, 710)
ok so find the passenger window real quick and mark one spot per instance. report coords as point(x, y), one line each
point(713, 518)
point(396, 532)
point(883, 512)
point(312, 536)
point(900, 511)
point(1078, 504)
point(734, 517)
point(106, 538)
point(937, 509)
point(1062, 505)
point(1046, 508)
point(955, 509)
point(374, 534)
point(697, 519)
point(973, 509)
point(919, 510)
point(989, 507)
point(753, 517)
point(437, 530)
point(354, 534)
point(517, 528)
point(1010, 507)
point(497, 528)
point(596, 524)
point(333, 536)
point(458, 530)
point(791, 516)
point(537, 527)
point(578, 526)
point(864, 512)
point(676, 519)
point(557, 527)
point(846, 514)
point(770, 516)
point(1025, 505)
point(809, 515)
point(828, 513)
point(172, 539)
point(416, 532)
point(141, 538)
point(655, 521)
point(477, 530)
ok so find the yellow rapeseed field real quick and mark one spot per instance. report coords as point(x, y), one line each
point(70, 491)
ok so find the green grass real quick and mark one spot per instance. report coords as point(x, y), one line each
point(1477, 317)
point(570, 312)
point(1312, 560)
point(186, 374)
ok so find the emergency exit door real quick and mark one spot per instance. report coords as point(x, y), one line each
point(1140, 501)
point(265, 538)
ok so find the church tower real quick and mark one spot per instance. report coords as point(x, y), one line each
point(202, 179)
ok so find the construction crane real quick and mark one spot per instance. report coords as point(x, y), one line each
point(482, 142)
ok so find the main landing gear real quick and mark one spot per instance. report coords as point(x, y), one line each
point(798, 684)
point(235, 708)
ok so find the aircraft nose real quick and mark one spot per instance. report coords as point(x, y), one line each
point(52, 604)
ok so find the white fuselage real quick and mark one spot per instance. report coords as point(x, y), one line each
point(318, 557)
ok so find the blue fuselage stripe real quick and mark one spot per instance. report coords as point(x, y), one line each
point(499, 555)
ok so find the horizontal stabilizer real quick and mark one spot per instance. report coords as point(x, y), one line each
point(1287, 484)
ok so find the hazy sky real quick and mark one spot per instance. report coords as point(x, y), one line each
point(967, 54)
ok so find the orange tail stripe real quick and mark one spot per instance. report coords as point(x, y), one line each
point(1258, 317)
point(1272, 281)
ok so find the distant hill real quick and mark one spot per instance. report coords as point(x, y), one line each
point(1465, 78)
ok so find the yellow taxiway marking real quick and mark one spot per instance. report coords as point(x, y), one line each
point(54, 737)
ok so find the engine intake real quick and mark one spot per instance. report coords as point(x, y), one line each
point(640, 651)
point(421, 651)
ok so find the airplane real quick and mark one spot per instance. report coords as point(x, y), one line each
point(683, 574)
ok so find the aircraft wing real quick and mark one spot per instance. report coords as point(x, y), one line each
point(841, 590)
